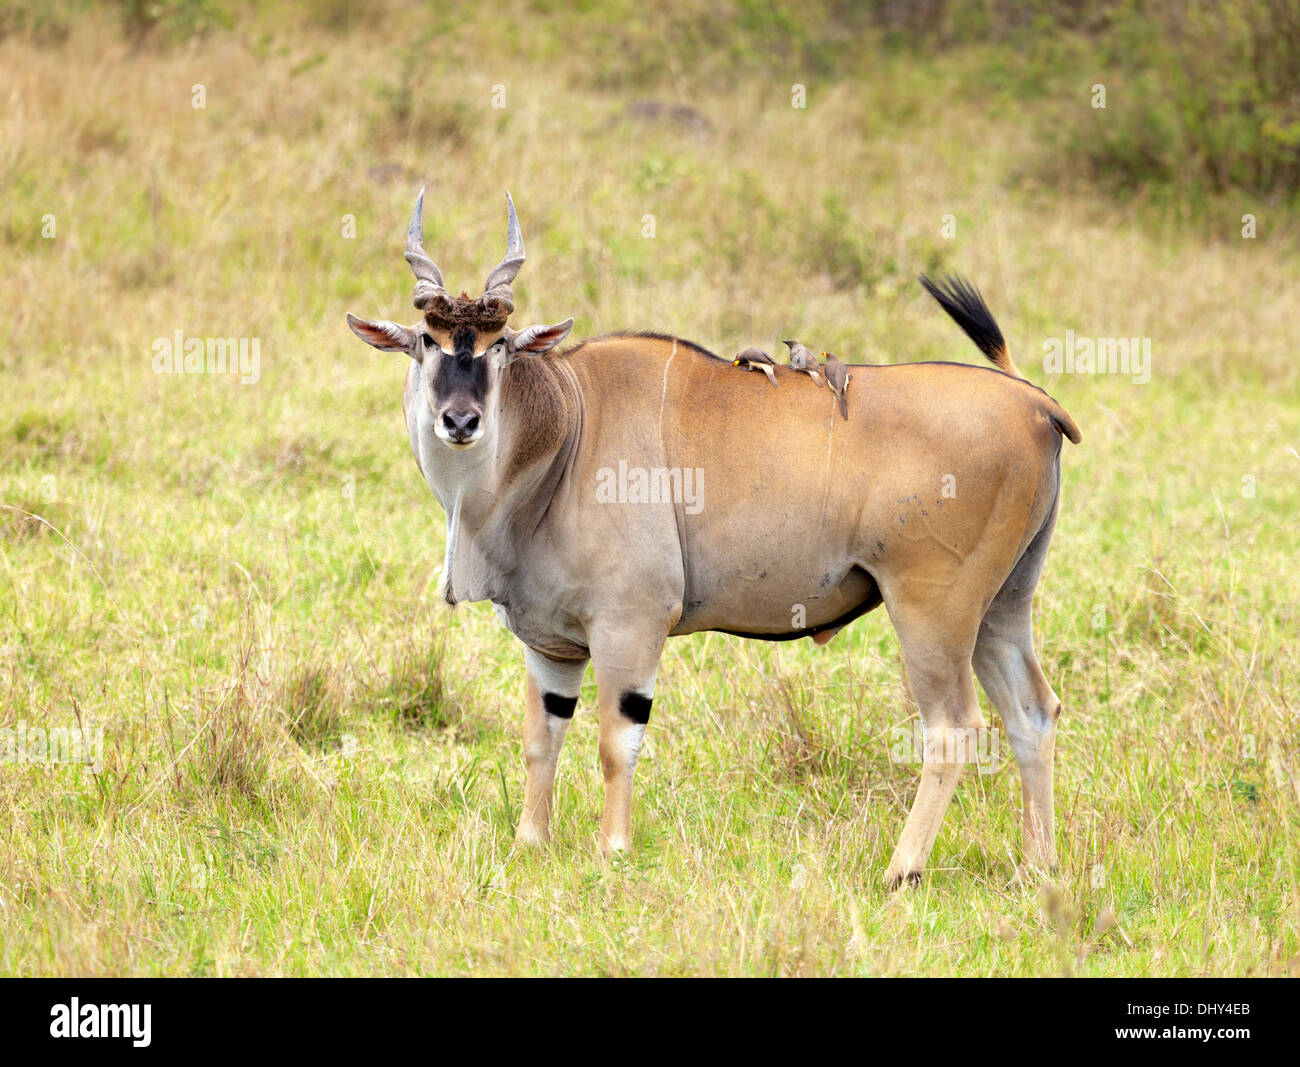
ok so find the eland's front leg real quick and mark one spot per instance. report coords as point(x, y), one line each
point(626, 664)
point(553, 688)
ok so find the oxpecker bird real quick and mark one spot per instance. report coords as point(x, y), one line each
point(803, 358)
point(757, 359)
point(838, 377)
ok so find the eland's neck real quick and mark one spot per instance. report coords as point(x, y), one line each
point(497, 493)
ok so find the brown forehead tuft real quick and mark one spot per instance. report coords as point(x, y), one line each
point(444, 312)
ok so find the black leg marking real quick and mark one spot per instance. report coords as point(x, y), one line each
point(635, 707)
point(560, 707)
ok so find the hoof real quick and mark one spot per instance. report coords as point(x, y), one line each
point(609, 847)
point(1034, 872)
point(895, 880)
point(531, 837)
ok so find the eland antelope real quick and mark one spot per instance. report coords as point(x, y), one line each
point(936, 495)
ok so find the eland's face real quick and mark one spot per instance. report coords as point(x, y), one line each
point(458, 369)
point(463, 343)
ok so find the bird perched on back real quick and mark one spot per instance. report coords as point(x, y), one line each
point(803, 358)
point(757, 359)
point(838, 377)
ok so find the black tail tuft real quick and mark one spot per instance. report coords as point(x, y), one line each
point(962, 301)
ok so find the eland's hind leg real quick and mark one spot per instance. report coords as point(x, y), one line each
point(937, 646)
point(1009, 671)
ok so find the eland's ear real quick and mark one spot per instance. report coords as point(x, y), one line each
point(385, 336)
point(534, 340)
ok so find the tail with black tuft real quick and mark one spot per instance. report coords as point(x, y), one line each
point(964, 304)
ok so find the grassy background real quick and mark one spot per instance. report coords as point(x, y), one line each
point(311, 766)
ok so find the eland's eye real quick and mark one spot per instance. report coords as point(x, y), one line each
point(428, 341)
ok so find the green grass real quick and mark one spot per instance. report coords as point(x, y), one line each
point(312, 766)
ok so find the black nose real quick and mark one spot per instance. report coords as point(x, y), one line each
point(460, 425)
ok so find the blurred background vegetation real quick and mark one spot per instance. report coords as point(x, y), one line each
point(1204, 96)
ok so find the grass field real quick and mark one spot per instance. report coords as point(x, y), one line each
point(312, 766)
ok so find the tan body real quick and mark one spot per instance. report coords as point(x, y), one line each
point(927, 497)
point(935, 493)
